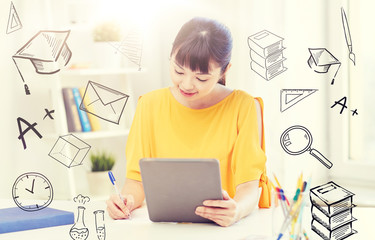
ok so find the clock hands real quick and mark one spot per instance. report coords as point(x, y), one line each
point(32, 187)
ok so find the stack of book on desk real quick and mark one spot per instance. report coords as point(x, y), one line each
point(266, 53)
point(331, 210)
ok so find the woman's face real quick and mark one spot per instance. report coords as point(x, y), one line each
point(194, 85)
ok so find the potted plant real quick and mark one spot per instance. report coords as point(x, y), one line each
point(105, 36)
point(101, 163)
point(109, 31)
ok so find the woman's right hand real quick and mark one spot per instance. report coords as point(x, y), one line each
point(118, 209)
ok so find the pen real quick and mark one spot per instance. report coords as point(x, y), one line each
point(113, 180)
point(278, 184)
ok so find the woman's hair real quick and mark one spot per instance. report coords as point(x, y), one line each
point(201, 40)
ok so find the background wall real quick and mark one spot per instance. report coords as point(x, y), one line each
point(302, 24)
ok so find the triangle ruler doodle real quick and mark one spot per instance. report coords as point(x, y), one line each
point(14, 22)
point(131, 47)
point(290, 97)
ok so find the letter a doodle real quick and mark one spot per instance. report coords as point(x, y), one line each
point(343, 105)
point(23, 132)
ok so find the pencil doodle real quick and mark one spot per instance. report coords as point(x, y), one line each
point(14, 22)
point(47, 51)
point(348, 37)
point(103, 102)
point(69, 150)
point(297, 140)
point(331, 210)
point(23, 132)
point(290, 97)
point(99, 224)
point(266, 54)
point(32, 191)
point(48, 113)
point(321, 60)
point(342, 103)
point(131, 47)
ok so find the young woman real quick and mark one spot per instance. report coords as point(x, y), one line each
point(199, 117)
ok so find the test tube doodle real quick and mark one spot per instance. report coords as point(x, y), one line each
point(99, 224)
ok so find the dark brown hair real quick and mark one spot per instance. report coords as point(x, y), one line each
point(200, 40)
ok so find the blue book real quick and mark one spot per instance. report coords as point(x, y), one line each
point(15, 219)
point(85, 123)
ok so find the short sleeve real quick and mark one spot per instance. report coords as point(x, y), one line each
point(248, 159)
point(137, 145)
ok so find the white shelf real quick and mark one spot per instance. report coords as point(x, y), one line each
point(93, 135)
point(102, 134)
point(98, 71)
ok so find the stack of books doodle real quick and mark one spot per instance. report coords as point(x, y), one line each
point(331, 210)
point(266, 53)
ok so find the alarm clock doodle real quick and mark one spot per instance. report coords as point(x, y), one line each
point(32, 191)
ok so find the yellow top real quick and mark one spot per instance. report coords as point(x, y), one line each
point(227, 131)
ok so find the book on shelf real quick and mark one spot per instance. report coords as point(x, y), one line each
point(85, 123)
point(72, 117)
point(94, 121)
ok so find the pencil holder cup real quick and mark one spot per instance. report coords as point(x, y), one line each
point(287, 213)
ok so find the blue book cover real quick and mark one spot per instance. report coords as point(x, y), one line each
point(86, 127)
point(15, 219)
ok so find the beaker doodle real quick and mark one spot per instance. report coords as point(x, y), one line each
point(297, 140)
point(99, 224)
point(79, 231)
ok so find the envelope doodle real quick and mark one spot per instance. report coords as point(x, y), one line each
point(103, 102)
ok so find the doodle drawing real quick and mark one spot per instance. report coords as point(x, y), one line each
point(131, 47)
point(290, 97)
point(321, 60)
point(23, 132)
point(331, 210)
point(99, 224)
point(103, 102)
point(48, 114)
point(297, 140)
point(348, 37)
point(266, 53)
point(47, 51)
point(79, 231)
point(14, 22)
point(69, 150)
point(32, 191)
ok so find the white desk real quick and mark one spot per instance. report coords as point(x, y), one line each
point(259, 223)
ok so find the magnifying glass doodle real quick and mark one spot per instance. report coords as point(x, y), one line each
point(297, 140)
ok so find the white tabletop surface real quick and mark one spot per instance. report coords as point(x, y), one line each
point(257, 225)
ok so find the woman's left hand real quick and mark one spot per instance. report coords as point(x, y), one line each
point(224, 212)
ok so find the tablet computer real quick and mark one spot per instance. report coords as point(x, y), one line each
point(174, 188)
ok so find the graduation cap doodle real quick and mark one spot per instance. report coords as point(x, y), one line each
point(321, 60)
point(47, 51)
